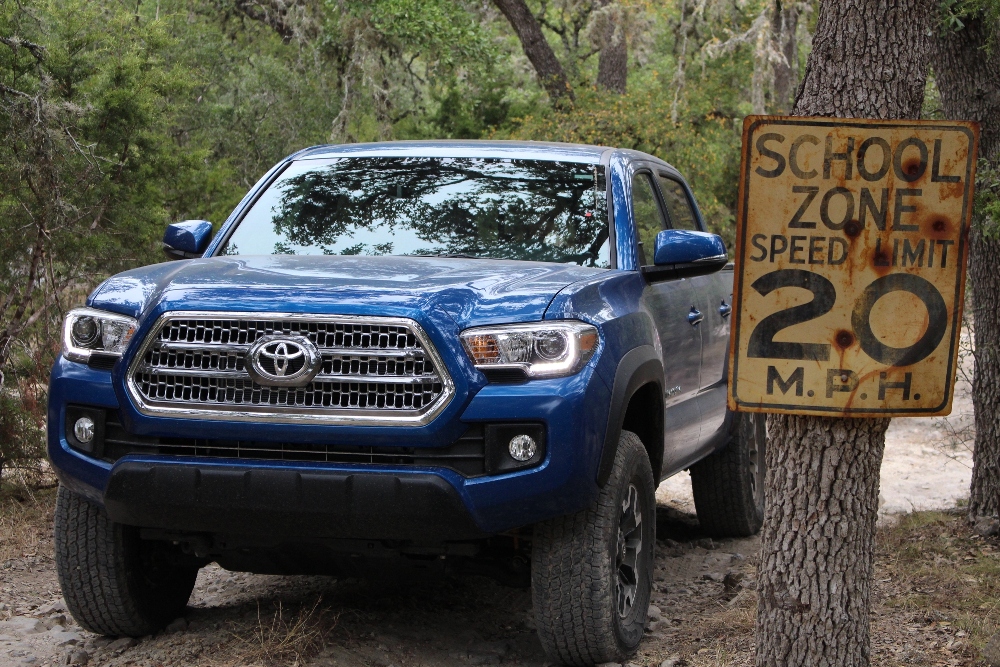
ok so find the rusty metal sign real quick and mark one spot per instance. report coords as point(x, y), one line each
point(852, 238)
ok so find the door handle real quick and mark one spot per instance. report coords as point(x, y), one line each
point(695, 317)
point(725, 309)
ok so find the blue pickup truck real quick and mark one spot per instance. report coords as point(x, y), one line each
point(469, 352)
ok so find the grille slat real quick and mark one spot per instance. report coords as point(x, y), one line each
point(374, 370)
point(169, 346)
point(144, 369)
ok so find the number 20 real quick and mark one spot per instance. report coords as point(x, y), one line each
point(762, 343)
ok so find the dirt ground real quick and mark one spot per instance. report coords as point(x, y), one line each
point(936, 592)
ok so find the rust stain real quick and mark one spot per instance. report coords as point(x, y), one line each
point(882, 258)
point(954, 190)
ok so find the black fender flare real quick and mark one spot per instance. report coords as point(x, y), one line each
point(640, 366)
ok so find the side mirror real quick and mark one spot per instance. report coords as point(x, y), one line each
point(187, 240)
point(681, 253)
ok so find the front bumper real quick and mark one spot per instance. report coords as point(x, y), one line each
point(297, 499)
point(281, 503)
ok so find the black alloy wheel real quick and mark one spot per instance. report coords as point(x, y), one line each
point(628, 563)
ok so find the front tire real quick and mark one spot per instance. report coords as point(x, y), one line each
point(592, 572)
point(113, 582)
point(728, 485)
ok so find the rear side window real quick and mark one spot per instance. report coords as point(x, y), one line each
point(648, 217)
point(678, 205)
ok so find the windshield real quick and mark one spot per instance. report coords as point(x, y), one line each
point(468, 207)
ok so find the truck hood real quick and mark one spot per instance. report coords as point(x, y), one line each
point(470, 291)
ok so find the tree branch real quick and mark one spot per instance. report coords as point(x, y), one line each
point(37, 50)
point(543, 59)
point(271, 14)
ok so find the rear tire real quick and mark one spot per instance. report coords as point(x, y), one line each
point(728, 486)
point(115, 583)
point(592, 572)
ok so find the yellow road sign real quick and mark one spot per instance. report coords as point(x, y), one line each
point(852, 238)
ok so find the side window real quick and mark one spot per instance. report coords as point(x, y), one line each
point(681, 215)
point(648, 216)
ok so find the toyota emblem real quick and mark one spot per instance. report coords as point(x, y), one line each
point(288, 361)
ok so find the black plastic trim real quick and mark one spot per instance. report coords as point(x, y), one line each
point(466, 455)
point(286, 503)
point(173, 253)
point(102, 362)
point(504, 375)
point(498, 437)
point(639, 366)
point(655, 273)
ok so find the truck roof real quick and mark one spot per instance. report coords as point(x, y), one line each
point(528, 150)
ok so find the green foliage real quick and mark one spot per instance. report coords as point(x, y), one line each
point(85, 170)
point(444, 31)
point(987, 200)
point(954, 13)
point(119, 117)
point(705, 150)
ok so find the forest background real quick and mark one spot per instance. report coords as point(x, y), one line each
point(118, 118)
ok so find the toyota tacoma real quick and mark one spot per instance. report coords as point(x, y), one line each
point(480, 353)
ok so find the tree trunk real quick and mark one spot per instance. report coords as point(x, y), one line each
point(612, 63)
point(984, 493)
point(784, 22)
point(968, 78)
point(543, 58)
point(821, 492)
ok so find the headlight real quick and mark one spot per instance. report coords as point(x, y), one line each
point(88, 330)
point(539, 350)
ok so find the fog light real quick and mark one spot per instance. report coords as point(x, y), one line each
point(522, 447)
point(83, 429)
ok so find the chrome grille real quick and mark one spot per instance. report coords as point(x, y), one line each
point(374, 370)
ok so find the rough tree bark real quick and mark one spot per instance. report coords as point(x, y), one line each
point(817, 545)
point(968, 78)
point(543, 58)
point(612, 63)
point(784, 22)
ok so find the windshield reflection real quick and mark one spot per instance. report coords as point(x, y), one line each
point(466, 207)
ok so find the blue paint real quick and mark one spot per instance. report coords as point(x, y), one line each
point(191, 236)
point(445, 296)
point(682, 246)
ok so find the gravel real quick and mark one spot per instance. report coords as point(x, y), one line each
point(432, 618)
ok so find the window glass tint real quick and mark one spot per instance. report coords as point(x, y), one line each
point(681, 215)
point(477, 207)
point(648, 217)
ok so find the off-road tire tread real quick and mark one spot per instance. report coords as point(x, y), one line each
point(723, 496)
point(98, 575)
point(570, 573)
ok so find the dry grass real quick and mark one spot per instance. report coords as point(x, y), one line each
point(25, 519)
point(936, 602)
point(287, 638)
point(938, 591)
